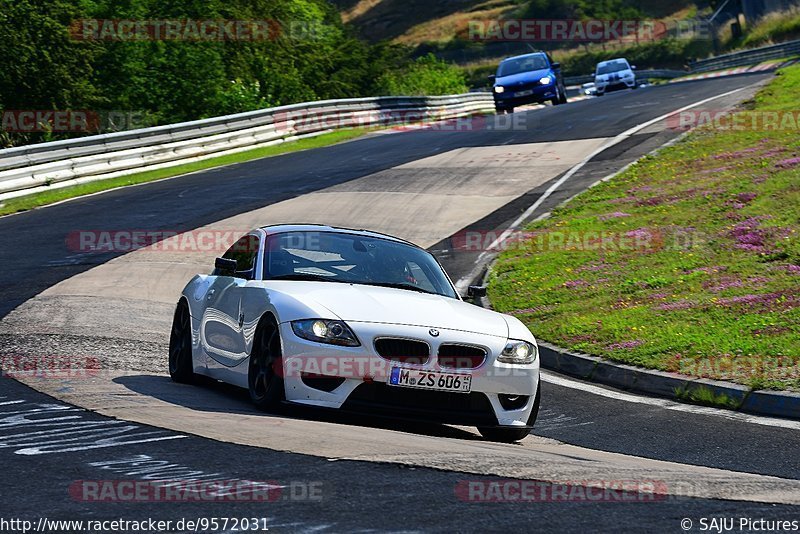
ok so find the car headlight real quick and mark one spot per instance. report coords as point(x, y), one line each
point(547, 80)
point(325, 331)
point(518, 352)
point(499, 89)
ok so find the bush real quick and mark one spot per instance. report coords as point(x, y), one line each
point(424, 76)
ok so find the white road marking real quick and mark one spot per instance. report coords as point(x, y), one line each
point(45, 428)
point(462, 284)
point(668, 404)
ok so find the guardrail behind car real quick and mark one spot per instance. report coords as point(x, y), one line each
point(33, 168)
point(747, 57)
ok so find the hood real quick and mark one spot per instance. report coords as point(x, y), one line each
point(523, 78)
point(371, 304)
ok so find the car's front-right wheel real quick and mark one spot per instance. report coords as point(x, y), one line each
point(512, 435)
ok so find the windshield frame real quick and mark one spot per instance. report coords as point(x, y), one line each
point(498, 74)
point(265, 249)
point(606, 64)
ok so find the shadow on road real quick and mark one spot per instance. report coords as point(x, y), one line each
point(213, 396)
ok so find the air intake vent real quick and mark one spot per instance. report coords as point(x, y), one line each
point(402, 350)
point(461, 356)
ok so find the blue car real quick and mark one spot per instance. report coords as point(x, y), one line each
point(528, 79)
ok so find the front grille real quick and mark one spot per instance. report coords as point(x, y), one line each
point(461, 356)
point(438, 406)
point(526, 86)
point(402, 350)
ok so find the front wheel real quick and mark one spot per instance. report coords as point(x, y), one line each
point(263, 374)
point(512, 435)
point(180, 346)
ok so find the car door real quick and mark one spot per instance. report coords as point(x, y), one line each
point(221, 326)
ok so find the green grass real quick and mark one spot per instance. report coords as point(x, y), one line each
point(706, 397)
point(56, 195)
point(699, 272)
point(774, 28)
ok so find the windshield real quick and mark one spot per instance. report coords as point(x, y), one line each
point(612, 66)
point(522, 64)
point(355, 259)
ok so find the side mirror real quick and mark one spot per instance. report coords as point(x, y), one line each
point(556, 65)
point(225, 265)
point(476, 292)
point(633, 67)
point(492, 77)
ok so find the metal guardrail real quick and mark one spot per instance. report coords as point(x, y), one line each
point(640, 74)
point(747, 57)
point(39, 167)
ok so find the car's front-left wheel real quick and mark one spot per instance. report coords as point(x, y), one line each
point(180, 346)
point(263, 376)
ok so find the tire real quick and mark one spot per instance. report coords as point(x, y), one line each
point(181, 367)
point(561, 96)
point(263, 382)
point(557, 100)
point(512, 435)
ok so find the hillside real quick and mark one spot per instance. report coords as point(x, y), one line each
point(416, 22)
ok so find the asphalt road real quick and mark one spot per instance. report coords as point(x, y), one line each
point(358, 495)
point(317, 494)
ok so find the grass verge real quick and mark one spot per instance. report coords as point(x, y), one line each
point(688, 262)
point(56, 195)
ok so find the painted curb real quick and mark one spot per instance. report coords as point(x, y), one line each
point(673, 386)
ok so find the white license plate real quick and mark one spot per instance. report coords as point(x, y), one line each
point(414, 378)
point(524, 93)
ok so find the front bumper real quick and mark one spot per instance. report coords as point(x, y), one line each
point(615, 85)
point(355, 378)
point(538, 95)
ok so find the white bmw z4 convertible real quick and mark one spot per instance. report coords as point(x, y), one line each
point(359, 321)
